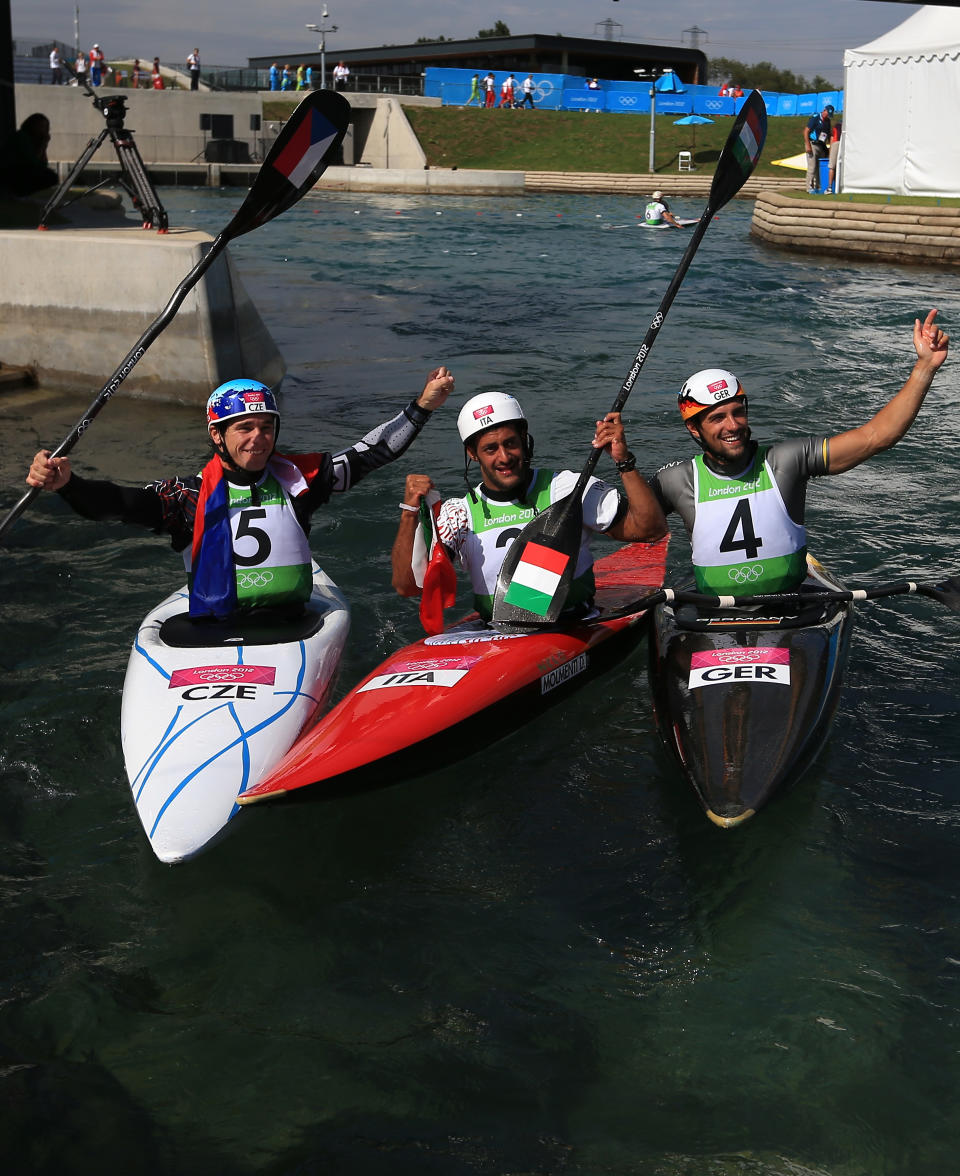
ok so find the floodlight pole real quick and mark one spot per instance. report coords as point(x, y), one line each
point(642, 73)
point(323, 29)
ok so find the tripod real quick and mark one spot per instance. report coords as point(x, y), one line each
point(133, 176)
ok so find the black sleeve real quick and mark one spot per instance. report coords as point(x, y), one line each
point(107, 500)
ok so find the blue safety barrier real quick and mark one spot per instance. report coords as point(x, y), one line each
point(567, 92)
point(582, 99)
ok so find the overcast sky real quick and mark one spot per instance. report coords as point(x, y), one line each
point(806, 36)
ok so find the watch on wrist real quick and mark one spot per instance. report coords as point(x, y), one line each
point(628, 465)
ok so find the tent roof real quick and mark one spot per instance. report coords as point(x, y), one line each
point(931, 32)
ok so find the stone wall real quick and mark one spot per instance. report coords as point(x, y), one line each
point(909, 234)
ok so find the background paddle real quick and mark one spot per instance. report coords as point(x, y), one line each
point(946, 591)
point(535, 578)
point(303, 149)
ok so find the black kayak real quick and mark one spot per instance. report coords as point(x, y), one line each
point(744, 696)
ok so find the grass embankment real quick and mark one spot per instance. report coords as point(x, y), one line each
point(569, 141)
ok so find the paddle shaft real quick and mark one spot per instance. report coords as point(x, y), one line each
point(648, 341)
point(130, 361)
point(728, 179)
point(947, 592)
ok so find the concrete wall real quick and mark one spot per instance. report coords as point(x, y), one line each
point(909, 234)
point(166, 124)
point(73, 302)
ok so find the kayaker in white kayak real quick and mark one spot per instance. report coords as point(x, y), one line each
point(658, 211)
point(742, 502)
point(478, 529)
point(243, 523)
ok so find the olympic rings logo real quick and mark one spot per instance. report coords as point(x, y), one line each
point(746, 573)
point(627, 100)
point(657, 321)
point(254, 579)
point(227, 674)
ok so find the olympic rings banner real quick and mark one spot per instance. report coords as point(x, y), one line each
point(567, 92)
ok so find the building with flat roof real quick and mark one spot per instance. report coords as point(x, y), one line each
point(533, 53)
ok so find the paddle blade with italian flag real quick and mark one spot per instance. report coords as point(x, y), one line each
point(538, 568)
point(309, 141)
point(740, 152)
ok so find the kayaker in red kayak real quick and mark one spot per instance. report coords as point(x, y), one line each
point(243, 525)
point(479, 528)
point(743, 503)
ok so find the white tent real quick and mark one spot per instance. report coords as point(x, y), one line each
point(900, 105)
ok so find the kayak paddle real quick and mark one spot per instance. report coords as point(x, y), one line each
point(535, 577)
point(946, 591)
point(301, 152)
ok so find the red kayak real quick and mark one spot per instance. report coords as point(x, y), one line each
point(446, 689)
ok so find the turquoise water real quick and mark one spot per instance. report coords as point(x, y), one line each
point(542, 959)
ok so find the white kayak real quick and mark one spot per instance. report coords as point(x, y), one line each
point(683, 221)
point(209, 709)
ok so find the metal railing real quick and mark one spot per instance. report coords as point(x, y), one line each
point(359, 83)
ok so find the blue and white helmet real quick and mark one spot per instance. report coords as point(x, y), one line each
point(237, 398)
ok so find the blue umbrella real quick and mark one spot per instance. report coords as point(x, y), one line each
point(692, 120)
point(669, 83)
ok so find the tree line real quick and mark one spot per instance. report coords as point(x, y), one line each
point(763, 75)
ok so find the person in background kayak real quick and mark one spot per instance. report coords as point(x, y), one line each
point(478, 529)
point(658, 211)
point(243, 523)
point(742, 502)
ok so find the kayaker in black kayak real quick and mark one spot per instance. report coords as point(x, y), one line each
point(243, 523)
point(478, 529)
point(743, 503)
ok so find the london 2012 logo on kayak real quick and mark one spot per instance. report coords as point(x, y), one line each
point(714, 667)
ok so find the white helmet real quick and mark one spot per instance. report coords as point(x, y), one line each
point(657, 195)
point(706, 389)
point(487, 411)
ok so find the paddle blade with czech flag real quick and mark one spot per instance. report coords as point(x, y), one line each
point(309, 141)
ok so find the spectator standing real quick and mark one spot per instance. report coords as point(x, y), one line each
point(737, 91)
point(506, 92)
point(56, 67)
point(274, 76)
point(725, 90)
point(286, 78)
point(340, 76)
point(528, 87)
point(301, 76)
point(816, 143)
point(96, 65)
point(474, 91)
point(80, 69)
point(489, 89)
point(193, 65)
point(156, 77)
point(135, 74)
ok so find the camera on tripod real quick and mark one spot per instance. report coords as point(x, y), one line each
point(133, 176)
point(113, 109)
